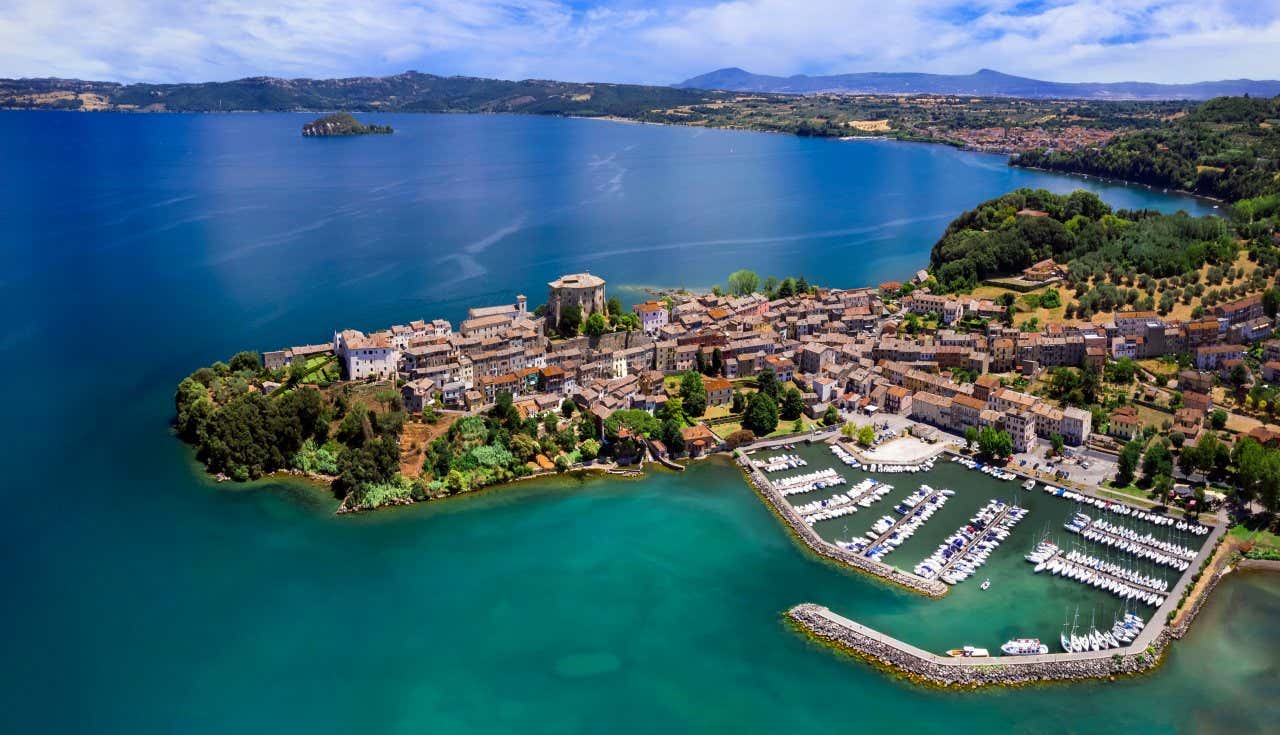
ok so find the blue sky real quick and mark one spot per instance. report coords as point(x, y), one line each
point(646, 41)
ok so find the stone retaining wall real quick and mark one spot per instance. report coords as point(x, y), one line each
point(828, 550)
point(945, 671)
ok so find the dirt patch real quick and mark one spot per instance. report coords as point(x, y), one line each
point(414, 440)
point(869, 126)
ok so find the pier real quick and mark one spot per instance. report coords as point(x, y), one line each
point(977, 538)
point(1139, 586)
point(907, 518)
point(1177, 558)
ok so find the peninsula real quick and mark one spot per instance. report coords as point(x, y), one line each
point(1122, 362)
point(339, 124)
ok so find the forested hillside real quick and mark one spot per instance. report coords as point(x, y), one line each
point(1228, 147)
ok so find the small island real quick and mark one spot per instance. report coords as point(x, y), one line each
point(341, 123)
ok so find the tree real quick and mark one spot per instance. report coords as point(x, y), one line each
point(455, 482)
point(792, 404)
point(1218, 419)
point(588, 450)
point(1157, 461)
point(970, 437)
point(570, 321)
point(693, 393)
point(767, 383)
point(770, 285)
point(995, 443)
point(866, 435)
point(739, 438)
point(831, 416)
point(1056, 442)
point(614, 307)
point(739, 402)
point(1163, 487)
point(1271, 301)
point(672, 437)
point(1127, 464)
point(912, 323)
point(717, 361)
point(567, 407)
point(761, 416)
point(672, 409)
point(1051, 299)
point(1120, 372)
point(786, 288)
point(700, 362)
point(595, 325)
point(743, 282)
point(245, 361)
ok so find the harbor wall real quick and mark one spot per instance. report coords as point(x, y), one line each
point(945, 671)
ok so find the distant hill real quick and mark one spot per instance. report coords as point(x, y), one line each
point(984, 83)
point(408, 92)
point(1227, 148)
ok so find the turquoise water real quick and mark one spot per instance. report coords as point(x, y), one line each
point(143, 599)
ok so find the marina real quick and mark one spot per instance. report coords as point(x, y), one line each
point(1010, 603)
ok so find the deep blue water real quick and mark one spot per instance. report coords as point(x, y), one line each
point(142, 598)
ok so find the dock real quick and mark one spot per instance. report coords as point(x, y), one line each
point(977, 537)
point(904, 520)
point(1144, 588)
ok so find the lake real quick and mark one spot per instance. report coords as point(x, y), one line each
point(142, 598)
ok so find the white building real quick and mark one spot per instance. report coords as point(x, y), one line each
point(366, 356)
point(653, 316)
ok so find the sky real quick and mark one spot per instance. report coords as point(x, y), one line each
point(641, 41)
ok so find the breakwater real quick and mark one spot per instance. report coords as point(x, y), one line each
point(928, 668)
point(828, 550)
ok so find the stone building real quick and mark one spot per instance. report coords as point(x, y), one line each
point(580, 289)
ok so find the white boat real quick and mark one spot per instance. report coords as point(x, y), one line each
point(968, 652)
point(1024, 647)
point(986, 584)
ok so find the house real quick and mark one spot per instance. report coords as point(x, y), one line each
point(1124, 423)
point(1210, 357)
point(1045, 270)
point(719, 391)
point(1021, 426)
point(1241, 310)
point(653, 316)
point(1189, 421)
point(418, 394)
point(365, 356)
point(898, 400)
point(698, 440)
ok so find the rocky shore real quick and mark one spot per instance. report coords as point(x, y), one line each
point(927, 668)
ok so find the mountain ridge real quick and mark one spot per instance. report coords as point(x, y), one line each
point(984, 83)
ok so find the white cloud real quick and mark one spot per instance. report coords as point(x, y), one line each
point(655, 41)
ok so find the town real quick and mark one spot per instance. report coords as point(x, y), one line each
point(846, 352)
